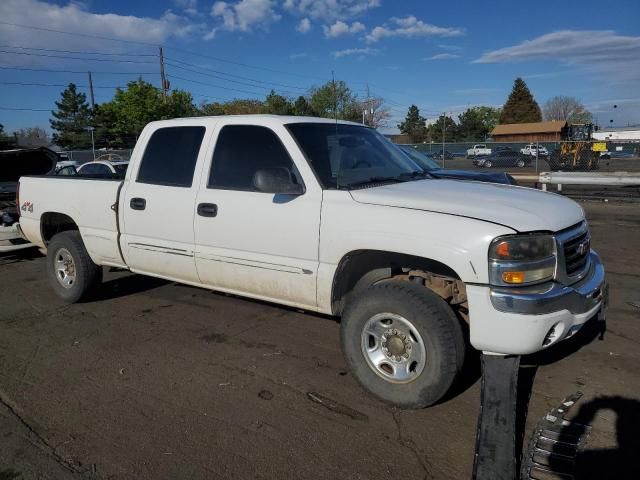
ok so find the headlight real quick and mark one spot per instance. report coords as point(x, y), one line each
point(522, 259)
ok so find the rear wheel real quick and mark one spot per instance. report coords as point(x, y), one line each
point(520, 163)
point(403, 343)
point(487, 164)
point(72, 274)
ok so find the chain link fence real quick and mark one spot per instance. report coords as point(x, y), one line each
point(536, 157)
point(83, 156)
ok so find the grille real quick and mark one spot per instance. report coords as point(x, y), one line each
point(576, 253)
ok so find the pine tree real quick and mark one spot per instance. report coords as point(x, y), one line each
point(72, 118)
point(521, 106)
point(414, 125)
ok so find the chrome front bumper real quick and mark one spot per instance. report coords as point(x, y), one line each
point(578, 298)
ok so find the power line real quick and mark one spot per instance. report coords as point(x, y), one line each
point(26, 109)
point(212, 85)
point(77, 58)
point(227, 74)
point(81, 53)
point(27, 84)
point(74, 71)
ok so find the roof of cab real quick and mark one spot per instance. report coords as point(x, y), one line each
point(279, 119)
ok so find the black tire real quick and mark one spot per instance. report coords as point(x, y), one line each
point(487, 164)
point(86, 274)
point(520, 163)
point(437, 327)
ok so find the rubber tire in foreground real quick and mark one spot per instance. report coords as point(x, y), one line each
point(437, 325)
point(88, 274)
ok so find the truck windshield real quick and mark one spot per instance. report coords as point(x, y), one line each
point(349, 156)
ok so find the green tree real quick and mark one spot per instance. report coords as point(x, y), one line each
point(71, 119)
point(476, 123)
point(414, 125)
point(450, 130)
point(121, 120)
point(521, 107)
point(335, 99)
point(302, 107)
point(569, 109)
point(277, 104)
point(232, 107)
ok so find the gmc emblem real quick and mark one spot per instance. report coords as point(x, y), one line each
point(583, 247)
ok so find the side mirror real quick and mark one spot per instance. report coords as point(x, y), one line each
point(278, 180)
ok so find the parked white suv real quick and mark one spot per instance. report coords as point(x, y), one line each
point(534, 150)
point(330, 217)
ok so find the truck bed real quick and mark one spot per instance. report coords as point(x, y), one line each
point(89, 202)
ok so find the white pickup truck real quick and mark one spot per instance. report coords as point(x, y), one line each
point(331, 217)
point(478, 150)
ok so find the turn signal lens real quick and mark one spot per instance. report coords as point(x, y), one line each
point(513, 277)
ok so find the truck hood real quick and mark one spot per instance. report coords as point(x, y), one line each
point(523, 209)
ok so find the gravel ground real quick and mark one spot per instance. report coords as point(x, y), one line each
point(157, 380)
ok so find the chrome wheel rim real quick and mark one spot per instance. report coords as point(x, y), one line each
point(65, 268)
point(393, 348)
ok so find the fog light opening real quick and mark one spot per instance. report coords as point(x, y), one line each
point(552, 335)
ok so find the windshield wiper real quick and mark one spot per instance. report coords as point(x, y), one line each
point(361, 183)
point(415, 174)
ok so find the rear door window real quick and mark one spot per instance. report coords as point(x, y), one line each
point(171, 155)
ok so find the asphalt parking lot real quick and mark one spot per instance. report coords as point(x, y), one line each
point(156, 380)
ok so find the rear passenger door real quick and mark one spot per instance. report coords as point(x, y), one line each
point(256, 243)
point(157, 204)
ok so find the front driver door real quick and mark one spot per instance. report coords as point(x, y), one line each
point(255, 243)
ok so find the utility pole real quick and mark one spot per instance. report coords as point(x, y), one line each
point(163, 79)
point(444, 127)
point(93, 98)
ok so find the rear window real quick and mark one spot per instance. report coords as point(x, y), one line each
point(170, 157)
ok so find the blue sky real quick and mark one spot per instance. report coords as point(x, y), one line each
point(442, 56)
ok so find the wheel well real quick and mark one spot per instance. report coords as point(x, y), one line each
point(52, 223)
point(362, 268)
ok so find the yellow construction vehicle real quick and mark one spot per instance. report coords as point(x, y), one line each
point(577, 151)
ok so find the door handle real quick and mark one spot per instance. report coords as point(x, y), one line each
point(207, 209)
point(138, 203)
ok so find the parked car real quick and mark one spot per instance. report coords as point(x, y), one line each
point(330, 217)
point(430, 166)
point(503, 158)
point(14, 164)
point(103, 169)
point(439, 155)
point(534, 150)
point(478, 150)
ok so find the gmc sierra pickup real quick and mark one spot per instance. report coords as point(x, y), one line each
point(329, 216)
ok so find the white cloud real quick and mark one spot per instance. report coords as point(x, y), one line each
point(410, 26)
point(341, 28)
point(569, 46)
point(298, 56)
point(210, 35)
point(330, 10)
point(190, 7)
point(442, 56)
point(245, 14)
point(304, 25)
point(75, 18)
point(356, 51)
point(450, 48)
point(612, 58)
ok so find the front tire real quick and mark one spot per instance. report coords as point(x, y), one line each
point(403, 343)
point(487, 164)
point(72, 274)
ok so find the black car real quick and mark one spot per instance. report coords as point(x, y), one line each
point(432, 168)
point(503, 158)
point(447, 155)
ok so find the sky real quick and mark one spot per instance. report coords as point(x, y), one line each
point(442, 56)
